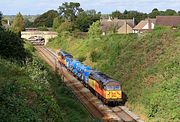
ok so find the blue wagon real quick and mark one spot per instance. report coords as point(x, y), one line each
point(85, 71)
point(68, 62)
point(74, 65)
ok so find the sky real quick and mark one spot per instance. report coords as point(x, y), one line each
point(34, 7)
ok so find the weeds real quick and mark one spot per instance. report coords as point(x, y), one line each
point(147, 65)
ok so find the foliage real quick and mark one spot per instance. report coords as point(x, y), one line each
point(117, 14)
point(170, 12)
point(69, 10)
point(46, 19)
point(33, 92)
point(65, 26)
point(155, 12)
point(95, 29)
point(0, 19)
point(68, 13)
point(85, 19)
point(57, 22)
point(28, 23)
point(138, 16)
point(141, 16)
point(134, 14)
point(147, 66)
point(43, 28)
point(94, 55)
point(12, 47)
point(18, 23)
point(82, 58)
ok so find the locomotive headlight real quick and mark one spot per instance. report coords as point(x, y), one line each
point(119, 87)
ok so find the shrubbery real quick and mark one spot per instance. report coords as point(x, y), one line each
point(12, 47)
point(147, 66)
point(26, 95)
point(30, 91)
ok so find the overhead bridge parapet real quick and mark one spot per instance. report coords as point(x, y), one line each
point(44, 34)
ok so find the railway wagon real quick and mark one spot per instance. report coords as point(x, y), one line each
point(85, 72)
point(68, 62)
point(62, 55)
point(74, 65)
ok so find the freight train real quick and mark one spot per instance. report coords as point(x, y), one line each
point(104, 87)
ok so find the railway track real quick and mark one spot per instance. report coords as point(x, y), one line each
point(95, 107)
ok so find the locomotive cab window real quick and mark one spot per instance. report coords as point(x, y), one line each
point(109, 88)
point(113, 86)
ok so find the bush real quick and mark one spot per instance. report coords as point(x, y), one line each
point(12, 47)
point(94, 56)
point(42, 28)
point(95, 30)
point(146, 65)
point(81, 58)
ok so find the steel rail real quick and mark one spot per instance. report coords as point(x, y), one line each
point(120, 113)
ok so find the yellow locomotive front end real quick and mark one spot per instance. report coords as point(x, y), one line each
point(113, 93)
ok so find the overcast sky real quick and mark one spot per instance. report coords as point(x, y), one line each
point(33, 7)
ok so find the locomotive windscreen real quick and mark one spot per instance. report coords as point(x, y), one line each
point(113, 87)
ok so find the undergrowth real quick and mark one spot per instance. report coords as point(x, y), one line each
point(33, 92)
point(147, 65)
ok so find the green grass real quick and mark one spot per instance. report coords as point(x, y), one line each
point(147, 65)
point(33, 92)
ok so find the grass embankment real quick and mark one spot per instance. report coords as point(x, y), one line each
point(33, 92)
point(148, 66)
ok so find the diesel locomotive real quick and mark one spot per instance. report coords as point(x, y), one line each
point(104, 87)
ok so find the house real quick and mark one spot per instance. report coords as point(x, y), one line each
point(121, 26)
point(144, 25)
point(126, 28)
point(168, 20)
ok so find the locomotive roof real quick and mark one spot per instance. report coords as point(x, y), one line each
point(64, 53)
point(101, 77)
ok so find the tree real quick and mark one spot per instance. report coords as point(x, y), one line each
point(95, 29)
point(117, 14)
point(82, 22)
point(170, 12)
point(85, 19)
point(134, 14)
point(94, 15)
point(0, 19)
point(42, 28)
point(57, 22)
point(65, 26)
point(70, 10)
point(18, 23)
point(46, 19)
point(28, 23)
point(155, 12)
point(178, 12)
point(125, 12)
point(12, 46)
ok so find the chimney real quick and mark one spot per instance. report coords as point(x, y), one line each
point(126, 26)
point(133, 21)
point(149, 24)
point(8, 23)
point(109, 19)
